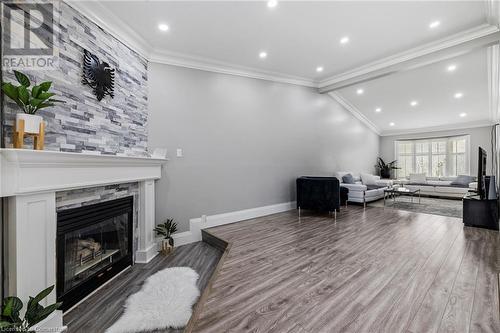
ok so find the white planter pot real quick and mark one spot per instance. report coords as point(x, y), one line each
point(31, 122)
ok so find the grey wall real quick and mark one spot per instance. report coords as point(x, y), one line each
point(245, 140)
point(479, 137)
point(111, 126)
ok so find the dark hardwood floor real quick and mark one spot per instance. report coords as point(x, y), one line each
point(373, 270)
point(103, 308)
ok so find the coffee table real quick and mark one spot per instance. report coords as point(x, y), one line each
point(398, 191)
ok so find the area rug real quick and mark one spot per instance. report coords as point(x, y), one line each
point(165, 300)
point(436, 206)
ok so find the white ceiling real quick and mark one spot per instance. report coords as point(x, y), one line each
point(434, 87)
point(298, 36)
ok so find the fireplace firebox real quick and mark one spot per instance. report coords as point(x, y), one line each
point(94, 243)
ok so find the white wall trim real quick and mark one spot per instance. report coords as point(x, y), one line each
point(203, 222)
point(449, 127)
point(144, 256)
point(383, 66)
point(354, 110)
point(183, 238)
point(211, 65)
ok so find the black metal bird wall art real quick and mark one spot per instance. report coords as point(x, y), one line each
point(98, 75)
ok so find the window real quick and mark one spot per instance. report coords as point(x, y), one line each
point(436, 157)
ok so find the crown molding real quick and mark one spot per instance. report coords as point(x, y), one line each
point(205, 64)
point(109, 22)
point(355, 112)
point(448, 127)
point(451, 46)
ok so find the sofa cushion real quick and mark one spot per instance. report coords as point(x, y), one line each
point(417, 178)
point(439, 182)
point(463, 180)
point(348, 179)
point(368, 179)
point(452, 190)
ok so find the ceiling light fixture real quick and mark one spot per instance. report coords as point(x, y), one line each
point(360, 91)
point(272, 3)
point(434, 24)
point(163, 27)
point(263, 55)
point(463, 114)
point(391, 124)
point(319, 69)
point(378, 109)
point(451, 68)
point(458, 95)
point(344, 40)
point(413, 103)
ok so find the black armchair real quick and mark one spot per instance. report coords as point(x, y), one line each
point(318, 193)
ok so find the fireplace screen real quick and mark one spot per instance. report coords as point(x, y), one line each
point(94, 243)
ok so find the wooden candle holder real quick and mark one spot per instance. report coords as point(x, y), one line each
point(19, 134)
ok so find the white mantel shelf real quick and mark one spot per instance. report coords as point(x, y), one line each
point(26, 171)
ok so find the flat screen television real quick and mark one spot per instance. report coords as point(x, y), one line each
point(481, 173)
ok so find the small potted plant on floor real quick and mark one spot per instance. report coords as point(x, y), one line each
point(11, 319)
point(30, 100)
point(386, 168)
point(166, 230)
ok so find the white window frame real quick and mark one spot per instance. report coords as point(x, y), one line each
point(447, 171)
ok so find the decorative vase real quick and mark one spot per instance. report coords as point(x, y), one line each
point(31, 122)
point(385, 173)
point(167, 246)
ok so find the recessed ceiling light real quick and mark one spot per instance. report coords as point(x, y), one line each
point(463, 114)
point(263, 55)
point(458, 95)
point(163, 27)
point(344, 40)
point(378, 109)
point(391, 124)
point(272, 3)
point(434, 24)
point(319, 69)
point(413, 103)
point(451, 68)
point(360, 91)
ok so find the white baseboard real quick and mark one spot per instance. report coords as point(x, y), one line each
point(145, 256)
point(182, 238)
point(197, 224)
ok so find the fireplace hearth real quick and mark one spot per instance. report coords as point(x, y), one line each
point(94, 243)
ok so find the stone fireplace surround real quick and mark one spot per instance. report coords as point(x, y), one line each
point(30, 179)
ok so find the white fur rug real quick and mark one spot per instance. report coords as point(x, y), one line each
point(165, 300)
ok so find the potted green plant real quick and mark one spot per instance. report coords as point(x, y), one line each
point(11, 320)
point(386, 168)
point(166, 230)
point(29, 100)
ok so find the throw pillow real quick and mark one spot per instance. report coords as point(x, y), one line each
point(348, 179)
point(368, 179)
point(463, 180)
point(417, 178)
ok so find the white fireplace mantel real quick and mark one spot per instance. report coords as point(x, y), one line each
point(26, 171)
point(30, 180)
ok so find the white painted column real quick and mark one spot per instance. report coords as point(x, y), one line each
point(31, 230)
point(147, 248)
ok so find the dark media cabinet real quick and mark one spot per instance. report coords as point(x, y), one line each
point(482, 213)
